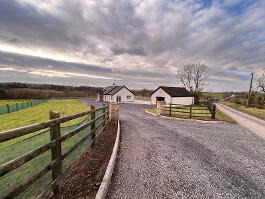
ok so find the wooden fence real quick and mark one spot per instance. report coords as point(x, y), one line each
point(190, 111)
point(54, 145)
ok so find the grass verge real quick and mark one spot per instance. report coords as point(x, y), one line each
point(256, 112)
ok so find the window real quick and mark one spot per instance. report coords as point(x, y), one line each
point(129, 97)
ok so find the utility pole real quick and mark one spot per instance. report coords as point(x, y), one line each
point(250, 87)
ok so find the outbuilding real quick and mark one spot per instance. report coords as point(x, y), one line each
point(118, 94)
point(173, 95)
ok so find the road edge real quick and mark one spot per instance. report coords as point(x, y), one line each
point(102, 191)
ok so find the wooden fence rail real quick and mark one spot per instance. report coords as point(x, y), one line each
point(56, 139)
point(190, 111)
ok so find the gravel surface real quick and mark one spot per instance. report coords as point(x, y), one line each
point(170, 158)
point(252, 123)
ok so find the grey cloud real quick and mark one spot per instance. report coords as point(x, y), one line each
point(145, 39)
point(130, 51)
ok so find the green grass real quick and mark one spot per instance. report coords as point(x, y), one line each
point(256, 112)
point(152, 110)
point(29, 116)
point(40, 113)
point(203, 112)
point(214, 95)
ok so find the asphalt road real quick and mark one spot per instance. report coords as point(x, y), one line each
point(254, 124)
point(169, 158)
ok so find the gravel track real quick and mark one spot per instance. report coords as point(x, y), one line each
point(252, 123)
point(169, 158)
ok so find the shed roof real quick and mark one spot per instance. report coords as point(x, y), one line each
point(175, 91)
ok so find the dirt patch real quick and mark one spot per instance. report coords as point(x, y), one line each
point(84, 179)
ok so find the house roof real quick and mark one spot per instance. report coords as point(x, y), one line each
point(175, 91)
point(115, 89)
point(108, 89)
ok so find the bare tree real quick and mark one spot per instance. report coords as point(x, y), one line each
point(261, 82)
point(194, 78)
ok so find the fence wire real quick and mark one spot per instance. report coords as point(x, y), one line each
point(9, 108)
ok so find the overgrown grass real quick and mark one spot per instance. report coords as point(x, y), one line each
point(9, 152)
point(259, 113)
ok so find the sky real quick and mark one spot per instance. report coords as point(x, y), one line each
point(141, 44)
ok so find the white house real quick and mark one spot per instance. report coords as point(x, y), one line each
point(173, 95)
point(118, 94)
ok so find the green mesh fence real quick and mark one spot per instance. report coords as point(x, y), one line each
point(9, 152)
point(9, 108)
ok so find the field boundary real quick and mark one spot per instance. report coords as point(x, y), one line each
point(10, 108)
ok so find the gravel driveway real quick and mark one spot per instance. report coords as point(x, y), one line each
point(170, 158)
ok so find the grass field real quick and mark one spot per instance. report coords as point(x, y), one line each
point(40, 113)
point(214, 95)
point(259, 113)
point(220, 116)
point(10, 150)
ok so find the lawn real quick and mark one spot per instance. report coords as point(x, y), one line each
point(259, 113)
point(201, 113)
point(15, 149)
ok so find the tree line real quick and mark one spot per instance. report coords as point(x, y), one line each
point(15, 90)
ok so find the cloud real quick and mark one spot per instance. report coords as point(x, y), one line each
point(150, 38)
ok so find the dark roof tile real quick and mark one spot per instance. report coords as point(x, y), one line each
point(175, 91)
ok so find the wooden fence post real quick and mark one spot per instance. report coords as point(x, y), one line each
point(93, 126)
point(213, 112)
point(170, 109)
point(190, 111)
point(8, 109)
point(56, 152)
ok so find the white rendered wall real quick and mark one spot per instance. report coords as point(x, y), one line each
point(182, 100)
point(160, 93)
point(168, 99)
point(124, 92)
